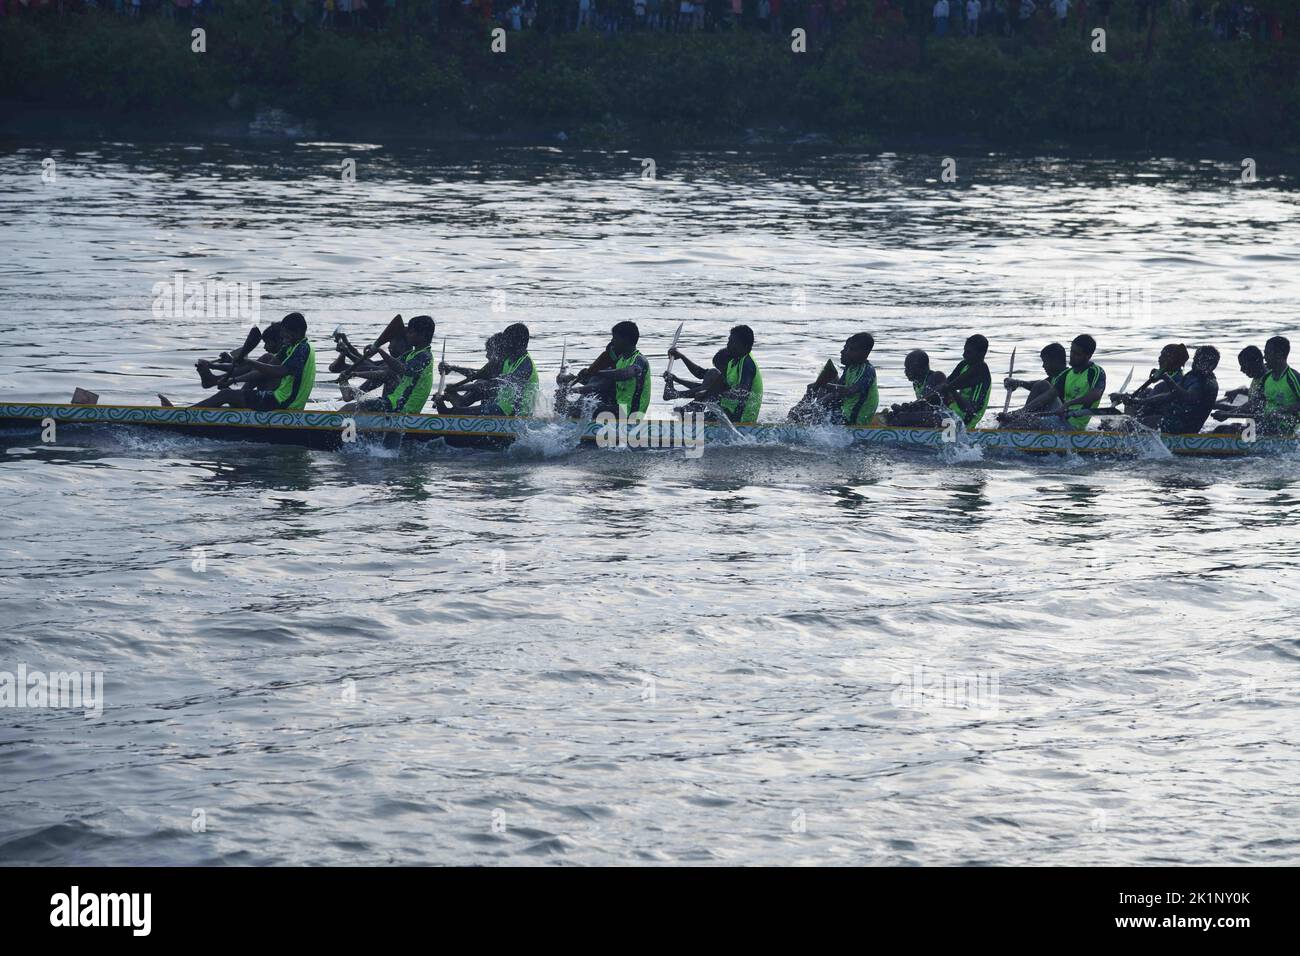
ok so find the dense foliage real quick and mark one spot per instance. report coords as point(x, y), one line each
point(870, 78)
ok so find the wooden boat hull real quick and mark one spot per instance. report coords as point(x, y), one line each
point(331, 430)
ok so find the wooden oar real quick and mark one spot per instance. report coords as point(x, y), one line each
point(668, 385)
point(442, 373)
point(1011, 369)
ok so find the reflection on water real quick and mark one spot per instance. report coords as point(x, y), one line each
point(363, 657)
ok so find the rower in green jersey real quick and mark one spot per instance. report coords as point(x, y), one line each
point(616, 383)
point(1044, 409)
point(970, 383)
point(1281, 390)
point(927, 385)
point(737, 386)
point(283, 383)
point(849, 397)
point(407, 380)
point(1245, 402)
point(1083, 383)
point(478, 387)
point(517, 385)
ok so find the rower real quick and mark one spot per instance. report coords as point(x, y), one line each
point(1281, 389)
point(1044, 409)
point(236, 362)
point(1183, 404)
point(1148, 401)
point(849, 397)
point(927, 386)
point(407, 381)
point(970, 384)
point(1084, 382)
point(1250, 361)
point(516, 387)
point(374, 372)
point(282, 383)
point(616, 383)
point(476, 388)
point(739, 392)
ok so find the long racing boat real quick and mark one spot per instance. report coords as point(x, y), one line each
point(325, 429)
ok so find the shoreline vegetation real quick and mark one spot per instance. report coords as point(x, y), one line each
point(1165, 80)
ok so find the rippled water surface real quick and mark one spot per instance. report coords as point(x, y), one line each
point(803, 654)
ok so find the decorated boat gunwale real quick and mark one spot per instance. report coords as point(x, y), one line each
point(326, 429)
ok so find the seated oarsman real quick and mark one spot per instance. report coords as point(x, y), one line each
point(282, 383)
point(237, 364)
point(373, 372)
point(739, 390)
point(1083, 384)
point(506, 385)
point(617, 383)
point(214, 374)
point(517, 385)
point(1245, 402)
point(970, 384)
point(406, 381)
point(849, 397)
point(928, 387)
point(478, 387)
point(1180, 404)
point(1146, 403)
point(1281, 390)
point(1044, 409)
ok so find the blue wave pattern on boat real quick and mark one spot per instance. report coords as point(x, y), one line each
point(1087, 442)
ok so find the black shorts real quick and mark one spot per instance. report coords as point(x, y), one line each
point(261, 400)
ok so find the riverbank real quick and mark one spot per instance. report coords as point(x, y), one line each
point(865, 85)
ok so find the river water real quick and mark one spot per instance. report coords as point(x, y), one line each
point(803, 654)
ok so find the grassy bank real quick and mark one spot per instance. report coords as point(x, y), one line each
point(868, 80)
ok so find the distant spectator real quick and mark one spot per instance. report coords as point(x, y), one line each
point(972, 17)
point(1062, 9)
point(1027, 11)
point(941, 18)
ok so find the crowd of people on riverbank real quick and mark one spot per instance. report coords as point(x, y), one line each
point(1226, 19)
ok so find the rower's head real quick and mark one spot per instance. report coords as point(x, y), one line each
point(623, 338)
point(493, 346)
point(916, 366)
point(273, 338)
point(1054, 358)
point(1173, 357)
point(1276, 351)
point(294, 327)
point(1250, 360)
point(419, 332)
point(857, 349)
point(1207, 359)
point(741, 341)
point(1081, 351)
point(977, 346)
point(514, 340)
